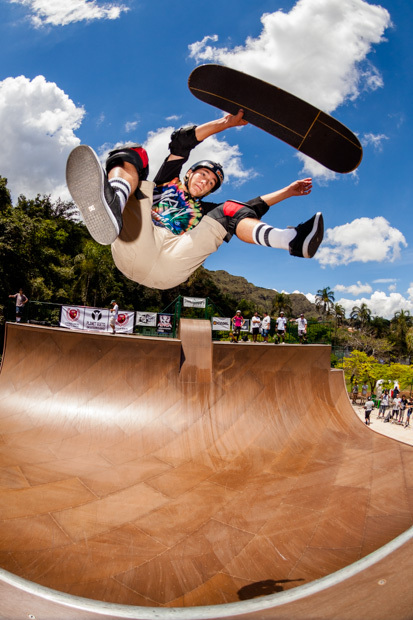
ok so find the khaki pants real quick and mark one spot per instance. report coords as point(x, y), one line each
point(154, 256)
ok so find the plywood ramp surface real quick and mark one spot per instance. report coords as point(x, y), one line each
point(142, 473)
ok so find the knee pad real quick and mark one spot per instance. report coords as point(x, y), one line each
point(229, 214)
point(234, 212)
point(134, 154)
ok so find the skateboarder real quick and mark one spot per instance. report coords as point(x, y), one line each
point(167, 231)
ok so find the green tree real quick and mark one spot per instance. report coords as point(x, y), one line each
point(339, 314)
point(360, 367)
point(379, 327)
point(95, 271)
point(400, 335)
point(281, 303)
point(361, 315)
point(324, 300)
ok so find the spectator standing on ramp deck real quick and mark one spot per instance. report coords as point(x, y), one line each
point(21, 301)
point(114, 311)
point(265, 326)
point(281, 326)
point(255, 326)
point(302, 328)
point(238, 323)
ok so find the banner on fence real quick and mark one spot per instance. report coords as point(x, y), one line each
point(72, 317)
point(220, 323)
point(124, 322)
point(95, 319)
point(145, 319)
point(164, 323)
point(194, 302)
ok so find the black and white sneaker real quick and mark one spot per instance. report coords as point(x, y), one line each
point(94, 197)
point(308, 238)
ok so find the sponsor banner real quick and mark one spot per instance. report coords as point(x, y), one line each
point(72, 317)
point(165, 324)
point(220, 323)
point(124, 322)
point(246, 326)
point(96, 319)
point(145, 319)
point(194, 302)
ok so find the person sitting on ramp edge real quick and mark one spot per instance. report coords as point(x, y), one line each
point(167, 230)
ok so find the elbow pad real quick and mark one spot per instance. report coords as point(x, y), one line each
point(183, 141)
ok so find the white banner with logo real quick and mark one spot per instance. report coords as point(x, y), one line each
point(72, 317)
point(95, 319)
point(145, 319)
point(194, 302)
point(124, 322)
point(220, 323)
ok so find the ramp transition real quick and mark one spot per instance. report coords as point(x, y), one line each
point(138, 480)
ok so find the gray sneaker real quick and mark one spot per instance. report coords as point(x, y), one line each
point(94, 197)
point(309, 236)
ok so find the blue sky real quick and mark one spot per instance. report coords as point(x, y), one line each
point(104, 73)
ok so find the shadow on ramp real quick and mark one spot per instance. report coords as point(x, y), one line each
point(158, 478)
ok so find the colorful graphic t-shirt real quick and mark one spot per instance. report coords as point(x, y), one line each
point(174, 209)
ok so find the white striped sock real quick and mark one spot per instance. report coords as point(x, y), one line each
point(122, 189)
point(263, 234)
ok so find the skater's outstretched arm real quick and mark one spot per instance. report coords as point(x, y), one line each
point(216, 126)
point(246, 227)
point(297, 188)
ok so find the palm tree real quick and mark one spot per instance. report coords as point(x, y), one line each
point(361, 314)
point(281, 302)
point(380, 327)
point(339, 313)
point(324, 299)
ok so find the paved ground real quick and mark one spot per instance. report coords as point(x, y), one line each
point(396, 431)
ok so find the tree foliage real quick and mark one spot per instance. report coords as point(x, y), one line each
point(48, 252)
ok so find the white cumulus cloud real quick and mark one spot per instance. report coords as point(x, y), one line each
point(59, 13)
point(375, 140)
point(362, 240)
point(38, 122)
point(354, 289)
point(380, 304)
point(318, 50)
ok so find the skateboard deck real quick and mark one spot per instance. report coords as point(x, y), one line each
point(285, 116)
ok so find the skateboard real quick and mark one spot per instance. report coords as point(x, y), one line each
point(285, 116)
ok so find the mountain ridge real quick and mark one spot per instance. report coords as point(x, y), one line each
point(239, 288)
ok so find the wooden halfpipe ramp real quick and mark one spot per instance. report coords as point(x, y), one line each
point(174, 478)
